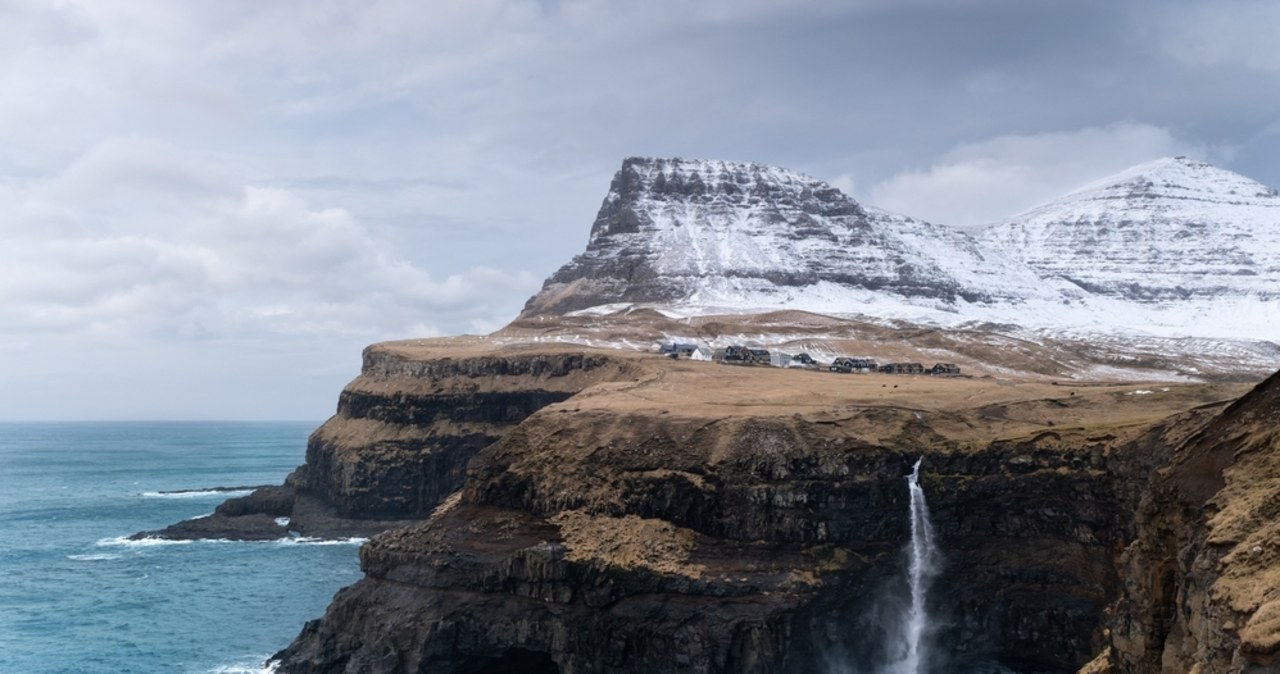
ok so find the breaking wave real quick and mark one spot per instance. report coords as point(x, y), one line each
point(151, 542)
point(258, 665)
point(93, 557)
point(306, 540)
point(221, 492)
point(125, 541)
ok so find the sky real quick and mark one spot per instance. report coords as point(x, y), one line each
point(209, 207)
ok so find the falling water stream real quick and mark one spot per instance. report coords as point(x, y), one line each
point(905, 634)
point(922, 566)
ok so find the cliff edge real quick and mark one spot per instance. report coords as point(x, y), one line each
point(402, 435)
point(1202, 579)
point(700, 517)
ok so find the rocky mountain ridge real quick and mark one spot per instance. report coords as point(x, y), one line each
point(1171, 248)
point(677, 232)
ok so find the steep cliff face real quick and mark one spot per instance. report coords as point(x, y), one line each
point(1202, 579)
point(405, 429)
point(402, 436)
point(719, 519)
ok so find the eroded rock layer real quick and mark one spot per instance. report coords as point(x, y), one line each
point(401, 438)
point(693, 517)
point(1202, 579)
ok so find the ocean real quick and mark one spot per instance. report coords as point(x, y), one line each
point(77, 597)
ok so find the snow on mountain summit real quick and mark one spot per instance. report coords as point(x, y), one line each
point(1167, 230)
point(734, 234)
point(1178, 178)
point(1174, 247)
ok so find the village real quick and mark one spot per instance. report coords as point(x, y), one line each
point(742, 355)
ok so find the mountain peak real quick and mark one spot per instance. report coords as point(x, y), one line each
point(1174, 177)
point(645, 190)
point(1169, 230)
point(1174, 246)
point(728, 234)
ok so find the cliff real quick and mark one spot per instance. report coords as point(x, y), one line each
point(694, 517)
point(402, 435)
point(1202, 579)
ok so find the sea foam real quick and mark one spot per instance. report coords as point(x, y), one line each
point(151, 542)
point(125, 541)
point(198, 493)
point(94, 557)
point(307, 540)
point(248, 666)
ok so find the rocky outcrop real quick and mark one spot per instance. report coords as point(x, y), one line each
point(402, 436)
point(677, 231)
point(1202, 579)
point(748, 531)
point(1174, 247)
point(405, 429)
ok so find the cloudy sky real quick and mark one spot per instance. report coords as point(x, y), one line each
point(208, 207)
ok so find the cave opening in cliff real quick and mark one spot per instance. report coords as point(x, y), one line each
point(518, 661)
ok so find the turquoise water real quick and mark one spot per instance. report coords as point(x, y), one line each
point(75, 596)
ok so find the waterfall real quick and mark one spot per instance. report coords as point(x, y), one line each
point(923, 562)
point(899, 623)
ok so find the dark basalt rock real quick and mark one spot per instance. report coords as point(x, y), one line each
point(269, 500)
point(1198, 580)
point(273, 513)
point(595, 544)
point(399, 443)
point(604, 537)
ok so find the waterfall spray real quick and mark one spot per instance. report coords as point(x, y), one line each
point(923, 562)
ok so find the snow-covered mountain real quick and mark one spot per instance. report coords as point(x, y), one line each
point(1172, 248)
point(1164, 231)
point(720, 234)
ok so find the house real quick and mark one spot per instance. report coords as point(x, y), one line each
point(944, 369)
point(759, 356)
point(734, 354)
point(863, 364)
point(845, 364)
point(678, 349)
point(802, 360)
point(902, 368)
point(841, 364)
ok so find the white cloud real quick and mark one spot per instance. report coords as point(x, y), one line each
point(144, 280)
point(980, 183)
point(154, 242)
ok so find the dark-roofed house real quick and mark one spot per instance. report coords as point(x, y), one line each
point(735, 354)
point(845, 364)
